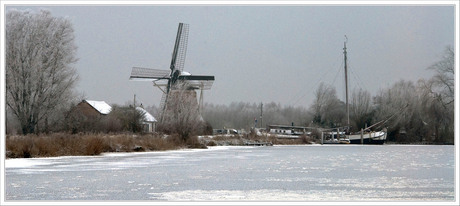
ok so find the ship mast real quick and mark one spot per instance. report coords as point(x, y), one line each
point(346, 79)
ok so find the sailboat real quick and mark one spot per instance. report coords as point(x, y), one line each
point(366, 136)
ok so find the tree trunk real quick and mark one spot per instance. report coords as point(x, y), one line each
point(436, 133)
point(28, 128)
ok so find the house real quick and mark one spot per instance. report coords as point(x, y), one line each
point(94, 109)
point(149, 123)
point(88, 115)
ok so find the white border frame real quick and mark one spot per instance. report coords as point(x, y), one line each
point(4, 3)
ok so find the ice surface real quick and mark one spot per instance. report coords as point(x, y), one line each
point(287, 173)
point(25, 163)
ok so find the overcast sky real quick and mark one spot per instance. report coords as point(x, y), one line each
point(256, 53)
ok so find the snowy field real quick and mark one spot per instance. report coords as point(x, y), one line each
point(278, 173)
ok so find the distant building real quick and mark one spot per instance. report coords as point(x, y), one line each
point(149, 124)
point(225, 131)
point(96, 112)
point(94, 109)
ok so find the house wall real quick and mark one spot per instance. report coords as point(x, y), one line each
point(88, 110)
point(149, 127)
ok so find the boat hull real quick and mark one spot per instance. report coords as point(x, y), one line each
point(367, 141)
point(368, 138)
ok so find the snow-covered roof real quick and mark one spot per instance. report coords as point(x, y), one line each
point(147, 116)
point(101, 106)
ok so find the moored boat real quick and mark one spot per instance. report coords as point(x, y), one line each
point(367, 137)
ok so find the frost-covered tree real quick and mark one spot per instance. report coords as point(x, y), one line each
point(327, 109)
point(444, 79)
point(401, 102)
point(361, 108)
point(242, 115)
point(439, 96)
point(128, 118)
point(40, 50)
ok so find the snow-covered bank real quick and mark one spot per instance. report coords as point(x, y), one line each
point(44, 161)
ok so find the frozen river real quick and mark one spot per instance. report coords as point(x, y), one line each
point(287, 173)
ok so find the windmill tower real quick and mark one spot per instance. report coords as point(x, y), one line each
point(175, 83)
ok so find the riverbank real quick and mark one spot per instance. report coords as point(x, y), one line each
point(63, 144)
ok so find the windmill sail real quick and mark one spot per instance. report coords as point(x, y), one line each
point(177, 62)
point(139, 73)
point(180, 48)
point(175, 80)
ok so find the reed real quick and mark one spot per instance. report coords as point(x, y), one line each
point(64, 144)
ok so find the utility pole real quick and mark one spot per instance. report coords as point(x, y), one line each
point(134, 101)
point(261, 114)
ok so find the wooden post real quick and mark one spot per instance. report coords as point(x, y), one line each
point(370, 136)
point(338, 131)
point(322, 138)
point(362, 134)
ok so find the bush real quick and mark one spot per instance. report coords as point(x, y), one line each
point(19, 146)
point(94, 145)
point(306, 139)
point(193, 142)
point(211, 143)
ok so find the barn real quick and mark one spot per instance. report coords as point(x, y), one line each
point(91, 108)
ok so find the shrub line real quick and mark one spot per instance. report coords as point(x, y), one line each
point(65, 144)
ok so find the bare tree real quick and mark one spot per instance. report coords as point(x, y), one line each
point(439, 96)
point(423, 111)
point(127, 117)
point(443, 83)
point(39, 51)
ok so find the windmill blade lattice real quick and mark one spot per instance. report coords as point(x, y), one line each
point(140, 73)
point(180, 48)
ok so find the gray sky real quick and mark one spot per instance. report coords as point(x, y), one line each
point(257, 53)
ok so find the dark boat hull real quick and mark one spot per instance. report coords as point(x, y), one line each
point(368, 138)
point(367, 141)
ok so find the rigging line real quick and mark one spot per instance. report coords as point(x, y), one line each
point(299, 92)
point(358, 81)
point(337, 74)
point(356, 77)
point(309, 85)
point(316, 83)
point(342, 82)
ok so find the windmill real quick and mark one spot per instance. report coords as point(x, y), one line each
point(174, 79)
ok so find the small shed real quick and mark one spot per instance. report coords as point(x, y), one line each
point(149, 124)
